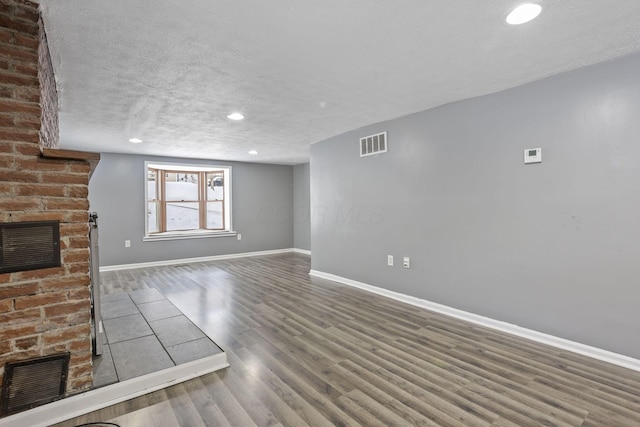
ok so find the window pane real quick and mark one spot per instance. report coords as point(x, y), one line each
point(181, 186)
point(152, 217)
point(151, 184)
point(186, 198)
point(182, 216)
point(215, 186)
point(214, 215)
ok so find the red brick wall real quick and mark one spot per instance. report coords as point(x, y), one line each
point(47, 311)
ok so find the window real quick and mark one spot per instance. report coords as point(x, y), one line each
point(187, 200)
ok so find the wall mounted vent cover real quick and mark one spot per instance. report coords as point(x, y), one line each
point(373, 144)
point(29, 245)
point(33, 382)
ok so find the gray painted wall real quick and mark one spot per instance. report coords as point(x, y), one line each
point(553, 247)
point(301, 213)
point(262, 197)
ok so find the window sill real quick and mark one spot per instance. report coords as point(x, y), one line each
point(188, 235)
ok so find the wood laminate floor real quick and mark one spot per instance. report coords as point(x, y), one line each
point(305, 351)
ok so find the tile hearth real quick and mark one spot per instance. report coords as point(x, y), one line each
point(146, 333)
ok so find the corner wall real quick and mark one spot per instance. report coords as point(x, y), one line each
point(262, 206)
point(551, 247)
point(301, 207)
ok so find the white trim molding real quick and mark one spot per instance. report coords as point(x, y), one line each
point(564, 344)
point(93, 400)
point(302, 251)
point(190, 260)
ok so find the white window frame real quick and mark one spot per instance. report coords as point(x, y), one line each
point(190, 234)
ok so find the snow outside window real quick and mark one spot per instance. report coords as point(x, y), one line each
point(183, 199)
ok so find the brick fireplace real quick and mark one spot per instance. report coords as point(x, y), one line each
point(46, 311)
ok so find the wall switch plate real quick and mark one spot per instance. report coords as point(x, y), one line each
point(239, 236)
point(533, 155)
point(406, 262)
point(390, 260)
point(127, 243)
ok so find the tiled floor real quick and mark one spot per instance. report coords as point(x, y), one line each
point(146, 333)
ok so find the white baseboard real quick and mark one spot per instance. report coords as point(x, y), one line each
point(93, 400)
point(302, 251)
point(190, 260)
point(575, 347)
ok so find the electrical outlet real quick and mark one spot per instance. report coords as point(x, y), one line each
point(390, 260)
point(239, 236)
point(127, 243)
point(406, 262)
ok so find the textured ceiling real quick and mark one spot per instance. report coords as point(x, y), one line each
point(169, 71)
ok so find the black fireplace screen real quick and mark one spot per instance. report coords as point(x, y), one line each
point(29, 245)
point(33, 382)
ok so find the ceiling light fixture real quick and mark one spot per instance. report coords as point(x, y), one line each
point(135, 140)
point(523, 13)
point(235, 116)
point(253, 152)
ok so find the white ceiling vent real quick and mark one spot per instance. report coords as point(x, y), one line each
point(373, 144)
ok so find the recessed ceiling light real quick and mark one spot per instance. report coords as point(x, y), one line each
point(524, 13)
point(135, 140)
point(253, 152)
point(235, 116)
